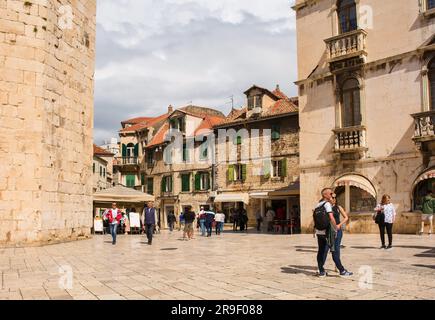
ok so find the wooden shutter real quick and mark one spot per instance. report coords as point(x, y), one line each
point(136, 150)
point(267, 166)
point(276, 132)
point(124, 150)
point(197, 181)
point(164, 184)
point(231, 173)
point(150, 186)
point(185, 182)
point(244, 171)
point(284, 168)
point(170, 184)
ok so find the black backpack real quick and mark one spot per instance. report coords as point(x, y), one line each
point(321, 218)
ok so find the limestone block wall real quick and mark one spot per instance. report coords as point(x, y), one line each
point(47, 50)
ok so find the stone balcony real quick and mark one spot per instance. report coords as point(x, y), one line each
point(350, 140)
point(126, 161)
point(345, 46)
point(424, 128)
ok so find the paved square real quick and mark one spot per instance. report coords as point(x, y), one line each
point(232, 266)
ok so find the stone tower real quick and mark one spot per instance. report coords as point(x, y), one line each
point(47, 53)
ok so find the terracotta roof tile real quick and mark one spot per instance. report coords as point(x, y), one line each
point(208, 123)
point(136, 120)
point(101, 152)
point(159, 137)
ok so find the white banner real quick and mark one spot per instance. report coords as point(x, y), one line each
point(134, 220)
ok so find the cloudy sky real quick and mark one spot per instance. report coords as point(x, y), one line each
point(153, 53)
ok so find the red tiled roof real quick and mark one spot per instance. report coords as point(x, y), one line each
point(159, 137)
point(145, 123)
point(208, 123)
point(280, 94)
point(101, 152)
point(136, 120)
point(281, 107)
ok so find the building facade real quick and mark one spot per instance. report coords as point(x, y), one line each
point(257, 157)
point(366, 78)
point(102, 169)
point(46, 105)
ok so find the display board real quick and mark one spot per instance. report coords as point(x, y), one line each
point(134, 220)
point(98, 225)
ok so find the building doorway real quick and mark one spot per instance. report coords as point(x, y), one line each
point(420, 192)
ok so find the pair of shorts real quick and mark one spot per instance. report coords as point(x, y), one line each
point(427, 217)
point(188, 227)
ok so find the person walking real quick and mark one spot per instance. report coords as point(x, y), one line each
point(428, 212)
point(189, 219)
point(386, 216)
point(270, 217)
point(338, 212)
point(114, 217)
point(259, 218)
point(325, 229)
point(209, 219)
point(220, 220)
point(201, 217)
point(150, 221)
point(243, 218)
point(172, 219)
point(235, 216)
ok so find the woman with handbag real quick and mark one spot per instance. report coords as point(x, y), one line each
point(385, 216)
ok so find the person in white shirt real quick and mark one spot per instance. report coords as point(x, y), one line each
point(220, 220)
point(389, 211)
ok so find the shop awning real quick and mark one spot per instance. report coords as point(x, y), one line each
point(259, 195)
point(292, 190)
point(121, 194)
point(232, 197)
point(357, 181)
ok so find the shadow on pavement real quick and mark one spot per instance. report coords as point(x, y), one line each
point(424, 266)
point(307, 270)
point(427, 254)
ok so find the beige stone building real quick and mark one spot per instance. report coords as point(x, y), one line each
point(366, 77)
point(47, 51)
point(256, 168)
point(102, 169)
point(182, 176)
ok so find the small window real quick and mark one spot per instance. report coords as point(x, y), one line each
point(279, 168)
point(255, 102)
point(431, 75)
point(202, 181)
point(347, 15)
point(276, 132)
point(203, 150)
point(350, 104)
point(167, 184)
point(185, 153)
point(93, 167)
point(150, 157)
point(104, 172)
point(430, 4)
point(101, 171)
point(237, 172)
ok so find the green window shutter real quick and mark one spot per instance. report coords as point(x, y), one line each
point(197, 181)
point(239, 140)
point(185, 153)
point(207, 186)
point(124, 150)
point(185, 182)
point(136, 150)
point(170, 184)
point(231, 173)
point(276, 132)
point(150, 186)
point(142, 179)
point(164, 184)
point(267, 169)
point(284, 168)
point(130, 180)
point(244, 171)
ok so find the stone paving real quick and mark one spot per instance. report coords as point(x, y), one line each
point(229, 267)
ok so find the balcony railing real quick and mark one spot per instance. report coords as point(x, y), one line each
point(346, 45)
point(424, 125)
point(127, 161)
point(350, 139)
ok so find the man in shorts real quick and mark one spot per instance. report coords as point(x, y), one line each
point(428, 211)
point(189, 219)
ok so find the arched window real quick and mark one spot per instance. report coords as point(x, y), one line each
point(347, 16)
point(360, 200)
point(350, 103)
point(431, 74)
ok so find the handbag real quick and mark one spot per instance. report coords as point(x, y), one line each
point(380, 217)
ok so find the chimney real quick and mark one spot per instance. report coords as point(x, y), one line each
point(277, 87)
point(170, 109)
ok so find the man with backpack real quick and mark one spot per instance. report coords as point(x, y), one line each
point(325, 228)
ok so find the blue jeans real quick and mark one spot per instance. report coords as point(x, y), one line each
point(322, 254)
point(113, 229)
point(222, 224)
point(202, 226)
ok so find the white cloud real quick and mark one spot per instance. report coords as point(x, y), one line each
point(154, 53)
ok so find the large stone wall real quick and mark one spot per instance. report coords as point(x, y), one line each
point(47, 50)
